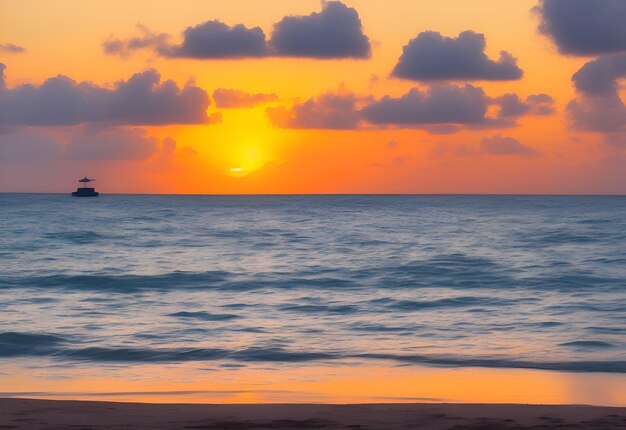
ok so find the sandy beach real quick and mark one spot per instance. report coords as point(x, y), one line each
point(53, 414)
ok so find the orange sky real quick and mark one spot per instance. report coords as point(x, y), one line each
point(65, 37)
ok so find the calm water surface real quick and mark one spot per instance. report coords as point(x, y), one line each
point(191, 288)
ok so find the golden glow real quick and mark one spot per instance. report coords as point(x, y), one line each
point(323, 384)
point(315, 161)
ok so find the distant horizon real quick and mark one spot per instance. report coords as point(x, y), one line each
point(325, 194)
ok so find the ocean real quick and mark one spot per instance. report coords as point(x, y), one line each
point(182, 288)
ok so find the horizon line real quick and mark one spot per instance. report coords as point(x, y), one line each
point(327, 194)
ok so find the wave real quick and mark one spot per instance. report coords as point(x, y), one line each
point(452, 302)
point(13, 344)
point(319, 309)
point(448, 271)
point(588, 344)
point(29, 344)
point(618, 366)
point(81, 237)
point(204, 316)
point(121, 283)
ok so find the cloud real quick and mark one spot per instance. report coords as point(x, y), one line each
point(335, 111)
point(226, 98)
point(600, 77)
point(146, 39)
point(26, 146)
point(141, 100)
point(440, 109)
point(497, 145)
point(335, 32)
point(512, 106)
point(501, 145)
point(617, 140)
point(10, 48)
point(433, 57)
point(3, 82)
point(216, 40)
point(599, 106)
point(85, 143)
point(442, 105)
point(584, 27)
point(112, 144)
point(444, 149)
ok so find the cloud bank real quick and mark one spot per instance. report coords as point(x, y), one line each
point(111, 144)
point(446, 104)
point(141, 100)
point(84, 143)
point(439, 109)
point(334, 33)
point(433, 57)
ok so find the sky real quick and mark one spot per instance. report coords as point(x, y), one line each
point(304, 96)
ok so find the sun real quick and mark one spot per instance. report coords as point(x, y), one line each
point(247, 160)
point(237, 172)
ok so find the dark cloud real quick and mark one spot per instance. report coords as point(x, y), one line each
point(328, 111)
point(446, 104)
point(214, 39)
point(512, 106)
point(600, 77)
point(599, 106)
point(11, 48)
point(142, 100)
point(501, 145)
point(440, 109)
point(225, 98)
point(146, 39)
point(433, 57)
point(584, 27)
point(335, 32)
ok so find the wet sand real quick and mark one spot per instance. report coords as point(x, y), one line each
point(80, 415)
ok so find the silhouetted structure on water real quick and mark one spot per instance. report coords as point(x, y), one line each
point(85, 191)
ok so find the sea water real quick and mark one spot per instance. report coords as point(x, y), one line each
point(212, 284)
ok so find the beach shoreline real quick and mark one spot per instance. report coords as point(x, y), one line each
point(35, 414)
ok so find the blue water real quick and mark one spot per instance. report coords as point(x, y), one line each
point(489, 281)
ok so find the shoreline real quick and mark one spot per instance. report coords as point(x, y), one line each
point(35, 414)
